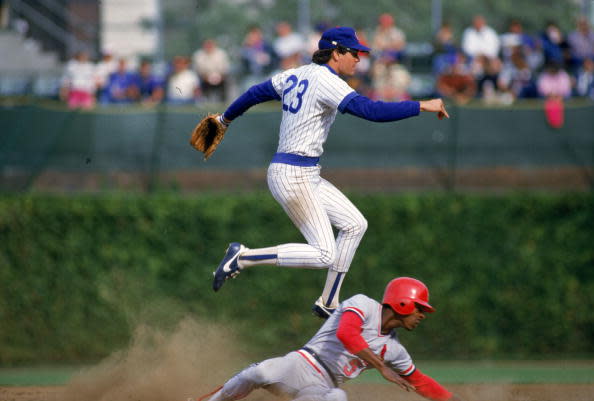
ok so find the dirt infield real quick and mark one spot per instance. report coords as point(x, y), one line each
point(374, 392)
point(194, 357)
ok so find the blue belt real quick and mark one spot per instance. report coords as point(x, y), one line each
point(295, 160)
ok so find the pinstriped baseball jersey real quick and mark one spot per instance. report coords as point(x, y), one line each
point(343, 364)
point(310, 96)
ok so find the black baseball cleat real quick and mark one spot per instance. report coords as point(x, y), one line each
point(228, 266)
point(320, 310)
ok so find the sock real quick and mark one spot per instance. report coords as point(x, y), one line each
point(260, 256)
point(332, 288)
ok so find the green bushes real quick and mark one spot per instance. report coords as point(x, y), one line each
point(510, 276)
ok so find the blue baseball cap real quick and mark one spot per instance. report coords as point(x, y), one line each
point(341, 36)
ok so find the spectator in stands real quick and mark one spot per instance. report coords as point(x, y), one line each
point(149, 87)
point(104, 68)
point(517, 78)
point(456, 81)
point(183, 85)
point(314, 37)
point(211, 63)
point(78, 82)
point(388, 39)
point(256, 54)
point(288, 46)
point(444, 48)
point(554, 45)
point(585, 79)
point(121, 85)
point(444, 40)
point(480, 39)
point(486, 73)
point(390, 80)
point(581, 43)
point(515, 37)
point(554, 82)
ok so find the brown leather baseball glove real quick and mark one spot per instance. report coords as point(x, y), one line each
point(207, 134)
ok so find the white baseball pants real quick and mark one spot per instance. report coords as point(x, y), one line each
point(315, 205)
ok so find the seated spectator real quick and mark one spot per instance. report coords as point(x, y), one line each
point(516, 78)
point(121, 85)
point(211, 63)
point(585, 79)
point(388, 40)
point(149, 87)
point(390, 80)
point(554, 45)
point(104, 68)
point(581, 43)
point(554, 81)
point(529, 46)
point(486, 73)
point(480, 39)
point(456, 81)
point(443, 41)
point(444, 49)
point(288, 46)
point(183, 85)
point(314, 37)
point(256, 54)
point(78, 83)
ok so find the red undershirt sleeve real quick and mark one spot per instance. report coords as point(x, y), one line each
point(349, 332)
point(428, 387)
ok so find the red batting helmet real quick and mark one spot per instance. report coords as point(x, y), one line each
point(403, 293)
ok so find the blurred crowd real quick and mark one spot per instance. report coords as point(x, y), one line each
point(502, 67)
point(495, 67)
point(186, 80)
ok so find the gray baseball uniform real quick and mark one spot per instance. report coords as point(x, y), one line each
point(315, 371)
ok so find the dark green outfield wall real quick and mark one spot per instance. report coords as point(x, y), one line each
point(35, 139)
point(509, 276)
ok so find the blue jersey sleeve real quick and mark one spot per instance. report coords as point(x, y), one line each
point(368, 109)
point(259, 93)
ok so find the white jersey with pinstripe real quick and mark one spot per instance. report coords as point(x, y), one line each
point(310, 96)
point(342, 363)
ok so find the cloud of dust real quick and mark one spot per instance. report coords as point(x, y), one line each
point(186, 362)
point(491, 392)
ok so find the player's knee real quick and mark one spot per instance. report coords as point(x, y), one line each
point(357, 227)
point(335, 394)
point(252, 377)
point(327, 256)
point(362, 226)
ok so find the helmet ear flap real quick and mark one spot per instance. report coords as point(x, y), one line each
point(404, 306)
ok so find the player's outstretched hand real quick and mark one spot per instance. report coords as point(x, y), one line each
point(394, 377)
point(435, 106)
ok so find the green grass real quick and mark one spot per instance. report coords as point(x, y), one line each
point(502, 372)
point(36, 376)
point(444, 372)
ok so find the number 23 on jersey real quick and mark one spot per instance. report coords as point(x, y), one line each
point(293, 94)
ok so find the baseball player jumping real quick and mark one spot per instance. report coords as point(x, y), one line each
point(359, 335)
point(310, 96)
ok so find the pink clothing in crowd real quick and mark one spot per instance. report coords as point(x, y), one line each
point(554, 84)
